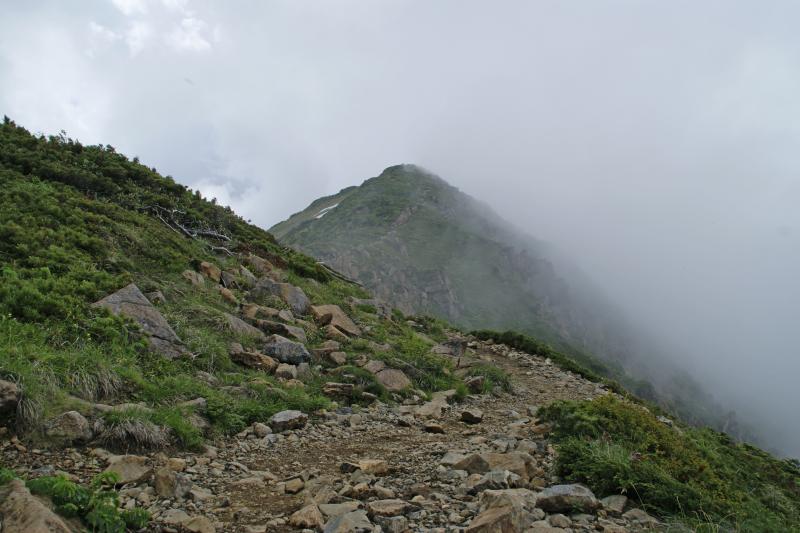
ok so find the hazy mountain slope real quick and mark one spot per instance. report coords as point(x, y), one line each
point(426, 247)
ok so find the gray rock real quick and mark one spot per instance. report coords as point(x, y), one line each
point(130, 468)
point(131, 303)
point(287, 420)
point(70, 427)
point(293, 296)
point(352, 522)
point(286, 351)
point(283, 329)
point(614, 504)
point(170, 484)
point(567, 499)
point(393, 379)
point(286, 371)
point(240, 327)
point(472, 416)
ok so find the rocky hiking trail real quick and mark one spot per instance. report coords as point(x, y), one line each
point(479, 465)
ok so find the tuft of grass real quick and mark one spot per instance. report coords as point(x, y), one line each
point(696, 475)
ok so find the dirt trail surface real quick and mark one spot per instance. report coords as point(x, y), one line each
point(480, 465)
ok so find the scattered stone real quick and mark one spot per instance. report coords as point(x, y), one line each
point(337, 358)
point(156, 297)
point(472, 416)
point(392, 507)
point(433, 427)
point(261, 430)
point(475, 384)
point(130, 468)
point(559, 520)
point(344, 390)
point(307, 517)
point(374, 366)
point(332, 315)
point(286, 351)
point(199, 524)
point(70, 427)
point(255, 360)
point(283, 329)
point(567, 499)
point(376, 467)
point(519, 463)
point(287, 420)
point(640, 518)
point(352, 522)
point(293, 296)
point(240, 327)
point(336, 509)
point(210, 270)
point(195, 278)
point(227, 295)
point(286, 371)
point(294, 485)
point(505, 519)
point(170, 484)
point(614, 504)
point(326, 348)
point(334, 333)
point(393, 379)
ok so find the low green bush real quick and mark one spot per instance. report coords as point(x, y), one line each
point(696, 475)
point(493, 377)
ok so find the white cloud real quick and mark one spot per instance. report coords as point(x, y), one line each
point(131, 7)
point(137, 36)
point(176, 5)
point(188, 36)
point(98, 32)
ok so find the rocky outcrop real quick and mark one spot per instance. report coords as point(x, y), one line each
point(131, 303)
point(21, 512)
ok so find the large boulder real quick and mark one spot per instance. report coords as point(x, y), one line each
point(21, 512)
point(68, 428)
point(573, 498)
point(293, 296)
point(9, 397)
point(131, 303)
point(286, 351)
point(287, 420)
point(240, 327)
point(332, 315)
point(393, 379)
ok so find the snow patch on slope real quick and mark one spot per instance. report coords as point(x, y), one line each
point(325, 211)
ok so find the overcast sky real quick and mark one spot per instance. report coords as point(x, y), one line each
point(658, 142)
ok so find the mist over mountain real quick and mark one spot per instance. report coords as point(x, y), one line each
point(428, 248)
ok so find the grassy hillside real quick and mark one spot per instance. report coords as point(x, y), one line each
point(80, 222)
